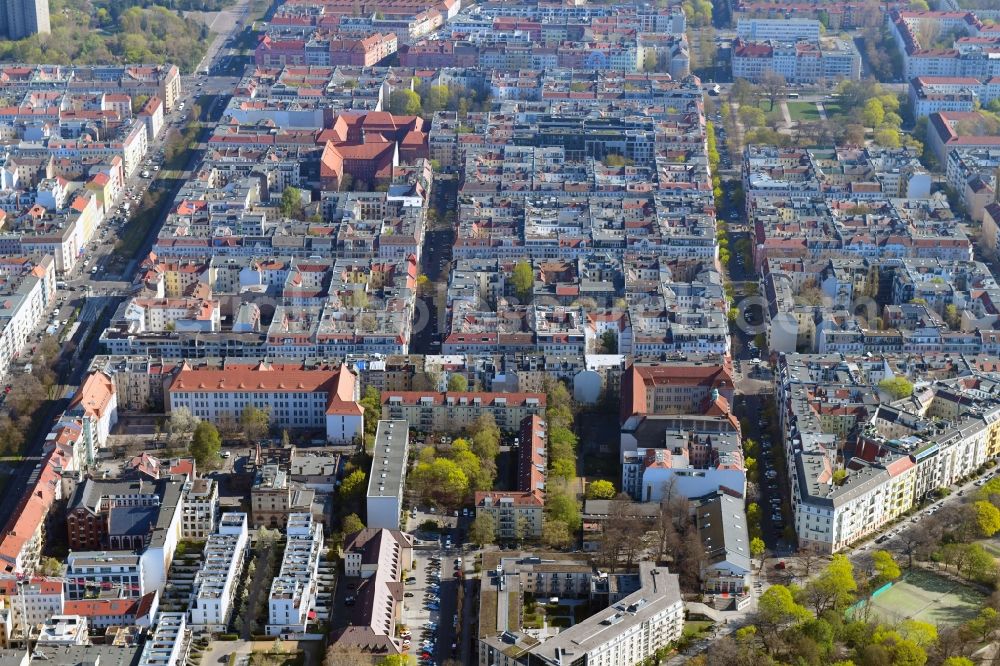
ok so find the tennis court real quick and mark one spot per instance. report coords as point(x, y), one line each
point(927, 597)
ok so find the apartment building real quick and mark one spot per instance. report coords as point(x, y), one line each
point(36, 598)
point(798, 62)
point(782, 30)
point(95, 406)
point(973, 175)
point(169, 643)
point(20, 19)
point(388, 474)
point(314, 399)
point(454, 411)
point(946, 133)
point(517, 515)
point(647, 615)
point(106, 613)
point(201, 504)
point(273, 498)
point(88, 571)
point(21, 542)
point(28, 287)
point(215, 583)
point(377, 558)
point(294, 590)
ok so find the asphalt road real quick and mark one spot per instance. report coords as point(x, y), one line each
point(429, 320)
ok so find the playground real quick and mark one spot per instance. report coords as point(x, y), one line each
point(925, 596)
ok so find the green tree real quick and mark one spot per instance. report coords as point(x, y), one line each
point(957, 661)
point(757, 547)
point(777, 608)
point(556, 534)
point(609, 340)
point(486, 437)
point(256, 423)
point(483, 529)
point(987, 518)
point(291, 203)
point(205, 445)
point(952, 316)
point(600, 489)
point(888, 137)
point(51, 567)
point(898, 387)
point(523, 280)
point(480, 472)
point(397, 660)
point(873, 113)
point(978, 564)
point(923, 634)
point(985, 624)
point(371, 403)
point(458, 382)
point(834, 588)
point(886, 568)
point(404, 103)
point(441, 481)
point(353, 486)
point(351, 524)
point(436, 99)
point(561, 506)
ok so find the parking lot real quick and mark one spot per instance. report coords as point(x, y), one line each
point(429, 604)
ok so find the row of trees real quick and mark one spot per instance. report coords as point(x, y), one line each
point(426, 100)
point(27, 394)
point(446, 474)
point(562, 511)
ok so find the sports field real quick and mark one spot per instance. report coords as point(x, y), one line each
point(924, 596)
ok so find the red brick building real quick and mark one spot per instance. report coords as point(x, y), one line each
point(367, 146)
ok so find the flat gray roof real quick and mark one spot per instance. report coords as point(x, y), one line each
point(389, 458)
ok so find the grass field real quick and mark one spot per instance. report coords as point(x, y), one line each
point(929, 598)
point(803, 111)
point(832, 109)
point(992, 546)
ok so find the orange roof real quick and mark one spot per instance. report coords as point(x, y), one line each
point(94, 395)
point(269, 378)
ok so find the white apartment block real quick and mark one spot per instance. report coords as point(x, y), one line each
point(38, 599)
point(628, 632)
point(388, 472)
point(168, 646)
point(157, 315)
point(905, 450)
point(201, 503)
point(27, 288)
point(293, 591)
point(215, 583)
point(119, 569)
point(783, 30)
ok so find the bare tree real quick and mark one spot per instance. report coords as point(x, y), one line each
point(809, 557)
point(774, 86)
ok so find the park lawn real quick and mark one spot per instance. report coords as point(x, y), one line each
point(695, 628)
point(769, 113)
point(832, 109)
point(803, 111)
